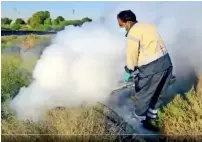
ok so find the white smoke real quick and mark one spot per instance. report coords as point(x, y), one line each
point(84, 64)
point(81, 66)
point(181, 29)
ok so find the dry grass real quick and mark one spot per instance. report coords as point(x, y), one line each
point(59, 121)
point(80, 121)
point(25, 42)
point(184, 114)
point(28, 42)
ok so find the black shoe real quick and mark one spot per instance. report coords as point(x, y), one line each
point(147, 124)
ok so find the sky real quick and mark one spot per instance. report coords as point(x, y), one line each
point(24, 9)
point(92, 9)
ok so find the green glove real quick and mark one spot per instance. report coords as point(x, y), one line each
point(126, 77)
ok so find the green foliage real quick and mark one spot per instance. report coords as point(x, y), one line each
point(46, 14)
point(38, 18)
point(6, 21)
point(43, 27)
point(58, 27)
point(16, 26)
point(19, 21)
point(86, 19)
point(11, 76)
point(25, 27)
point(5, 27)
point(60, 18)
point(29, 21)
point(56, 22)
point(48, 21)
point(41, 21)
point(73, 22)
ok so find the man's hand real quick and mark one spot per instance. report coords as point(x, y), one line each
point(126, 77)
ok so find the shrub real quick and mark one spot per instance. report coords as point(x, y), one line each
point(60, 18)
point(19, 21)
point(12, 79)
point(78, 121)
point(48, 21)
point(15, 27)
point(183, 115)
point(6, 21)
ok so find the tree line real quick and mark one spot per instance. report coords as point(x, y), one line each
point(40, 20)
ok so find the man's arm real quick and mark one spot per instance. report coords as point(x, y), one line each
point(132, 53)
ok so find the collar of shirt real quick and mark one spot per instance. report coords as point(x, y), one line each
point(132, 24)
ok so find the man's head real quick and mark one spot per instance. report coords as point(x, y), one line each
point(125, 18)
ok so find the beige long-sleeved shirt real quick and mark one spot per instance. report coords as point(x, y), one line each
point(144, 45)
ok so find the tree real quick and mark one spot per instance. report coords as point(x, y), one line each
point(16, 26)
point(19, 21)
point(60, 18)
point(38, 18)
point(29, 21)
point(6, 21)
point(47, 14)
point(48, 21)
point(86, 19)
point(56, 22)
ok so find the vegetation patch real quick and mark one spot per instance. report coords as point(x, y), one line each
point(25, 42)
point(40, 21)
point(182, 116)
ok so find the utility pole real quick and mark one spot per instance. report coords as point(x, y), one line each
point(73, 11)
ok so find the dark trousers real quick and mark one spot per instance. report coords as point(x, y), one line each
point(150, 92)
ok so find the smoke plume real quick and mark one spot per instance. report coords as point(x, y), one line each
point(83, 64)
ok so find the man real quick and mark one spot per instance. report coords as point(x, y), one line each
point(147, 63)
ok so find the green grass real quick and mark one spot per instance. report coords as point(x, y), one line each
point(11, 78)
